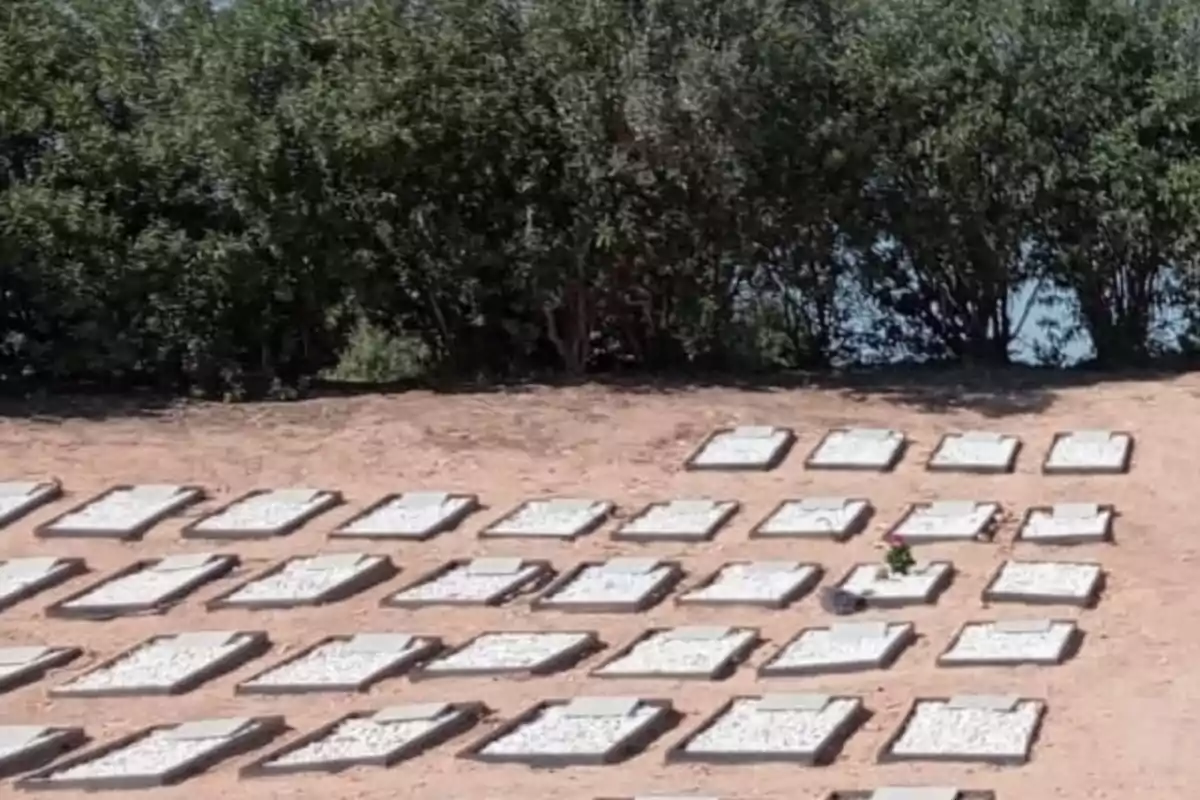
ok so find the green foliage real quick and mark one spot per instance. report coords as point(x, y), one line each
point(229, 199)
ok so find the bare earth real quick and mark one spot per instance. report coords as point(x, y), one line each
point(1122, 715)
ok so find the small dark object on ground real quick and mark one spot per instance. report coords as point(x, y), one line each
point(841, 602)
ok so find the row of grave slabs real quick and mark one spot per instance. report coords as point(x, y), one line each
point(421, 515)
point(616, 585)
point(129, 511)
point(805, 729)
point(178, 663)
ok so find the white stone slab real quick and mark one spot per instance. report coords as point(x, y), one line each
point(271, 511)
point(679, 519)
point(476, 582)
point(947, 521)
point(304, 580)
point(368, 739)
point(880, 588)
point(858, 448)
point(843, 647)
point(576, 730)
point(816, 517)
point(915, 793)
point(123, 510)
point(682, 653)
point(19, 576)
point(164, 665)
point(752, 726)
point(618, 583)
point(1068, 523)
point(159, 753)
point(747, 447)
point(149, 586)
point(18, 498)
point(945, 730)
point(511, 651)
point(764, 583)
point(560, 518)
point(1062, 582)
point(1010, 642)
point(975, 451)
point(344, 664)
point(412, 515)
point(1089, 452)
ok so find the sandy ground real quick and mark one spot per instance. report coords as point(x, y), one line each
point(1121, 714)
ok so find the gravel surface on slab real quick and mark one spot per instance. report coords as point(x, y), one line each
point(1058, 579)
point(401, 517)
point(938, 520)
point(362, 738)
point(752, 583)
point(865, 580)
point(159, 663)
point(264, 512)
point(556, 732)
point(461, 584)
point(988, 641)
point(1089, 450)
point(153, 754)
point(598, 584)
point(694, 518)
point(745, 728)
point(144, 586)
point(336, 662)
point(734, 449)
point(975, 449)
point(122, 509)
point(935, 728)
point(508, 651)
point(855, 448)
point(18, 573)
point(551, 518)
point(299, 581)
point(665, 652)
point(823, 646)
point(799, 517)
point(1048, 525)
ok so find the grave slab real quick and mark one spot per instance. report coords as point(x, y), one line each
point(149, 586)
point(351, 663)
point(473, 582)
point(308, 581)
point(836, 518)
point(378, 739)
point(582, 731)
point(410, 516)
point(1067, 524)
point(564, 518)
point(745, 448)
point(924, 584)
point(126, 512)
point(868, 449)
point(948, 521)
point(1004, 643)
point(989, 729)
point(20, 498)
point(160, 755)
point(678, 521)
point(807, 729)
point(29, 747)
point(1089, 452)
point(22, 578)
point(760, 584)
point(168, 665)
point(263, 514)
point(21, 665)
point(512, 654)
point(840, 648)
point(684, 653)
point(978, 452)
point(1046, 583)
point(914, 793)
point(615, 586)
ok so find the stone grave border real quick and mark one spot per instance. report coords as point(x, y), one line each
point(44, 493)
point(429, 646)
point(1121, 469)
point(800, 591)
point(1091, 600)
point(858, 524)
point(383, 569)
point(444, 525)
point(886, 756)
point(777, 458)
point(545, 574)
point(63, 571)
point(671, 578)
point(1069, 651)
point(332, 499)
point(188, 496)
point(719, 522)
point(218, 567)
point(558, 662)
point(721, 671)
